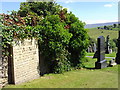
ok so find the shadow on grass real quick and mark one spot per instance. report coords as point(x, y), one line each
point(90, 68)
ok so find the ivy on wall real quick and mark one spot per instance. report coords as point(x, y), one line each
point(62, 37)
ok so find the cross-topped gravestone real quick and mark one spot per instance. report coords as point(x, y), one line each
point(101, 62)
point(118, 53)
point(107, 45)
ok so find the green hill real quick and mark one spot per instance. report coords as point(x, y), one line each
point(95, 33)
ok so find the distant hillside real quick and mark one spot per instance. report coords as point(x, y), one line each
point(99, 24)
point(95, 33)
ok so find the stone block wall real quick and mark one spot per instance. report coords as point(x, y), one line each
point(25, 61)
point(3, 67)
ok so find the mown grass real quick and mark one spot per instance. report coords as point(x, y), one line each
point(87, 77)
point(106, 55)
point(81, 78)
point(95, 33)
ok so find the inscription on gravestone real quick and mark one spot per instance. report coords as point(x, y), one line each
point(101, 62)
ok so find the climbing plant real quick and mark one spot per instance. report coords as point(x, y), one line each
point(61, 35)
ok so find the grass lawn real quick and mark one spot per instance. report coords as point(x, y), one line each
point(106, 55)
point(81, 78)
point(95, 33)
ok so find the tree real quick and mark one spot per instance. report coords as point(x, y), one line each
point(114, 25)
point(98, 27)
point(39, 8)
point(105, 27)
point(61, 35)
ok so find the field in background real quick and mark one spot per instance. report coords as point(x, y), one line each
point(95, 33)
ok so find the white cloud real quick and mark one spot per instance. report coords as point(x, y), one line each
point(111, 4)
point(68, 1)
point(108, 5)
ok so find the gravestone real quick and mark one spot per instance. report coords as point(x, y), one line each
point(107, 45)
point(118, 52)
point(110, 51)
point(88, 50)
point(101, 62)
point(112, 63)
point(94, 47)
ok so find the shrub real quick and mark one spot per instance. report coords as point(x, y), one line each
point(62, 37)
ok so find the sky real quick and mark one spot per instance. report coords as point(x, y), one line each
point(89, 12)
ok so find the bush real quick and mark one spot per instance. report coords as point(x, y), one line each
point(62, 37)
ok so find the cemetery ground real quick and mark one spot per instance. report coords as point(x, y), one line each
point(106, 55)
point(94, 33)
point(87, 77)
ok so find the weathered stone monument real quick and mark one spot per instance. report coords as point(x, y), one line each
point(112, 63)
point(118, 53)
point(95, 51)
point(107, 45)
point(101, 62)
point(94, 47)
point(89, 49)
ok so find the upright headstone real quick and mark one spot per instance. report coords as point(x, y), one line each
point(110, 51)
point(94, 47)
point(118, 52)
point(95, 50)
point(107, 45)
point(101, 62)
point(88, 50)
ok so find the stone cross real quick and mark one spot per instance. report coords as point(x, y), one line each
point(101, 62)
point(107, 45)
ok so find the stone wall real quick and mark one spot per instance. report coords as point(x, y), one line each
point(3, 67)
point(25, 61)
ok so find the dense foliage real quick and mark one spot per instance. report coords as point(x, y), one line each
point(62, 37)
point(110, 27)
